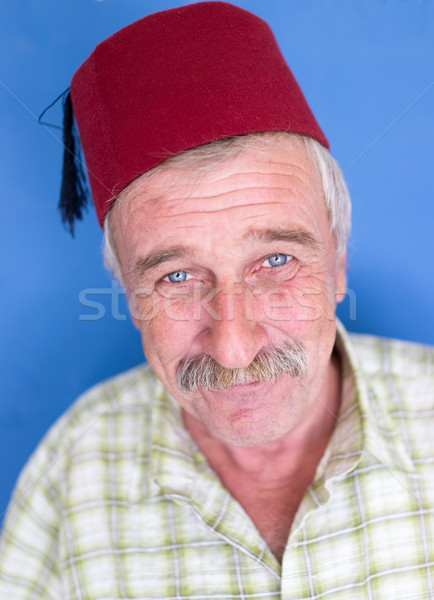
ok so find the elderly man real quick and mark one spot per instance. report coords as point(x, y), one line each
point(265, 455)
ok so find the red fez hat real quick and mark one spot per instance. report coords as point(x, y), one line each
point(175, 80)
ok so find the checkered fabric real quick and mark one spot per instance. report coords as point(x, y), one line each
point(118, 502)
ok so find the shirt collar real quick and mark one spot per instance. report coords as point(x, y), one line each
point(372, 432)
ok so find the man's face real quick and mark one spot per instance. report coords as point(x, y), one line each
point(226, 263)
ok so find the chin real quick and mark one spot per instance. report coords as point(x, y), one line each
point(248, 433)
point(249, 414)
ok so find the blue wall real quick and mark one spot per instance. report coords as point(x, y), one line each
point(366, 68)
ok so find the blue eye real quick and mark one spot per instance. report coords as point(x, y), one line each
point(177, 277)
point(276, 260)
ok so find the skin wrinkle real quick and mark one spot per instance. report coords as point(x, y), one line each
point(263, 440)
point(151, 261)
point(158, 257)
point(202, 196)
point(202, 160)
point(312, 276)
point(213, 212)
point(196, 180)
point(296, 236)
point(141, 273)
point(267, 188)
point(311, 287)
point(271, 186)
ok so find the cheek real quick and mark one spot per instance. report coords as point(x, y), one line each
point(307, 298)
point(166, 326)
point(157, 309)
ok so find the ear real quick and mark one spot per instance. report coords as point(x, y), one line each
point(341, 278)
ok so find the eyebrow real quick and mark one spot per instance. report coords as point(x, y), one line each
point(284, 234)
point(158, 257)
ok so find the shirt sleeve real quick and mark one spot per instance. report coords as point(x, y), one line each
point(29, 545)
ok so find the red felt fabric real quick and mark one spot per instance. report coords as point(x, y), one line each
point(177, 79)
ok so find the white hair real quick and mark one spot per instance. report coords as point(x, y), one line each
point(203, 158)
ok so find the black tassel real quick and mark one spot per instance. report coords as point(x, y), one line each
point(74, 192)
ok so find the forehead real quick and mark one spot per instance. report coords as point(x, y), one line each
point(254, 187)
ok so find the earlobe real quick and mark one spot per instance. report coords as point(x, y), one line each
point(341, 278)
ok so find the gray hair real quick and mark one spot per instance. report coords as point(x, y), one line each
point(203, 158)
point(268, 365)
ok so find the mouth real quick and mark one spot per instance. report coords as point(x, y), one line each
point(246, 384)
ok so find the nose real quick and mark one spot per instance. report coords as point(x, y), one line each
point(233, 336)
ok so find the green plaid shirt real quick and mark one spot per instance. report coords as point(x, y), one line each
point(118, 502)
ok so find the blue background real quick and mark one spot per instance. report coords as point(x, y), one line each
point(366, 69)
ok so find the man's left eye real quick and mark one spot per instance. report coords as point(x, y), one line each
point(276, 260)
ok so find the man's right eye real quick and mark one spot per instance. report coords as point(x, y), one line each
point(276, 260)
point(177, 277)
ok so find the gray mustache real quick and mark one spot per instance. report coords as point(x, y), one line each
point(268, 365)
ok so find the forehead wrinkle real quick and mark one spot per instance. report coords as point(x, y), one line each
point(189, 178)
point(204, 211)
point(225, 193)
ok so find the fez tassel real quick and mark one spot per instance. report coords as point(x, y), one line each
point(74, 192)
